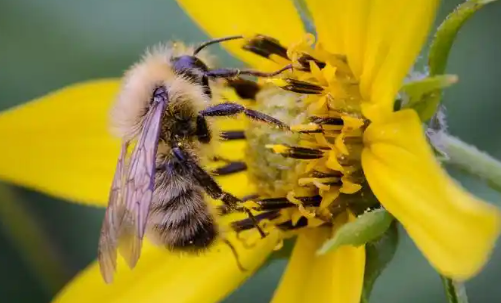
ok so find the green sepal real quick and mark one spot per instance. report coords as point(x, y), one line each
point(455, 291)
point(441, 46)
point(378, 254)
point(423, 95)
point(367, 227)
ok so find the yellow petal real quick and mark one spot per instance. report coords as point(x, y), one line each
point(161, 276)
point(356, 17)
point(59, 143)
point(396, 32)
point(336, 277)
point(219, 18)
point(453, 229)
point(329, 23)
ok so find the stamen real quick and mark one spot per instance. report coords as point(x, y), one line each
point(326, 120)
point(245, 89)
point(326, 135)
point(265, 46)
point(297, 86)
point(319, 174)
point(296, 152)
point(233, 135)
point(283, 202)
point(307, 128)
point(305, 60)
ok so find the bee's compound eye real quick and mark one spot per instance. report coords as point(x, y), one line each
point(189, 66)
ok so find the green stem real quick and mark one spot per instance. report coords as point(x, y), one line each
point(455, 291)
point(471, 160)
point(30, 240)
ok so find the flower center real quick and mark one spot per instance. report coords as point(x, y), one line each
point(307, 177)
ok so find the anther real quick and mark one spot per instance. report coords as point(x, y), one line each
point(296, 152)
point(265, 46)
point(305, 59)
point(310, 128)
point(283, 202)
point(245, 89)
point(326, 120)
point(297, 86)
point(233, 135)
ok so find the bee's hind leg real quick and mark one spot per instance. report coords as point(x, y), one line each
point(210, 185)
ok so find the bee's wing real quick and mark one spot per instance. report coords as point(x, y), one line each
point(139, 186)
point(107, 249)
point(130, 197)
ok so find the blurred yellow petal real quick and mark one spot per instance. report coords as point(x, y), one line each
point(219, 18)
point(336, 277)
point(329, 23)
point(342, 28)
point(161, 276)
point(354, 34)
point(453, 229)
point(396, 32)
point(59, 143)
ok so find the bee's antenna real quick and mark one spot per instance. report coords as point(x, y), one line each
point(214, 41)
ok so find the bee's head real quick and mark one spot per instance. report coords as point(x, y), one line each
point(194, 69)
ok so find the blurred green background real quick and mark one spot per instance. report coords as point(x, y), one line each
point(48, 44)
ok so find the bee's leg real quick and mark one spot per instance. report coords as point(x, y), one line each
point(235, 72)
point(231, 168)
point(231, 109)
point(203, 131)
point(210, 185)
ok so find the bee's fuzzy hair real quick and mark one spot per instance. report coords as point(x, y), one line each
point(142, 78)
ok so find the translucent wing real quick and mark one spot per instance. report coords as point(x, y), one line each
point(139, 186)
point(130, 197)
point(107, 250)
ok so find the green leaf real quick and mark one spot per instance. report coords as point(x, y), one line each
point(469, 159)
point(441, 46)
point(446, 34)
point(455, 291)
point(422, 94)
point(378, 253)
point(365, 228)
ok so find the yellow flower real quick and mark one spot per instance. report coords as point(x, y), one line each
point(69, 154)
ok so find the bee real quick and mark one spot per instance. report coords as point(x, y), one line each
point(160, 186)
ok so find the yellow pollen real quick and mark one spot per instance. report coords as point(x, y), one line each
point(278, 148)
point(250, 204)
point(306, 127)
point(277, 81)
point(329, 136)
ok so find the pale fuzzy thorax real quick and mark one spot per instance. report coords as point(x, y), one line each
point(139, 82)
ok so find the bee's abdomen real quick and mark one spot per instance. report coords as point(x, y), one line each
point(184, 222)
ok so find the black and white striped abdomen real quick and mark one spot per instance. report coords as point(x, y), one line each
point(180, 218)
